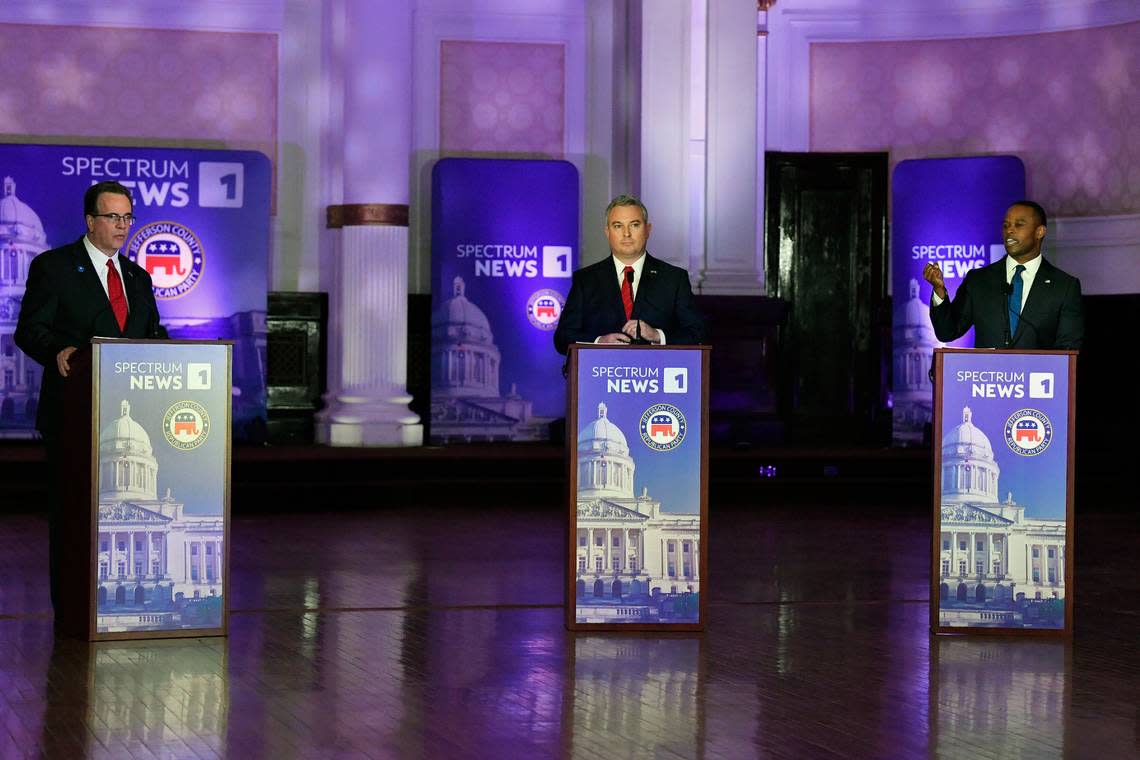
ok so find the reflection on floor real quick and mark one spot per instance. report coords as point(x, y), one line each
point(438, 633)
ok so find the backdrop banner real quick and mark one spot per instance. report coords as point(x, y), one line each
point(504, 247)
point(202, 231)
point(949, 211)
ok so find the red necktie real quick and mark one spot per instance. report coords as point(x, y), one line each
point(115, 293)
point(627, 291)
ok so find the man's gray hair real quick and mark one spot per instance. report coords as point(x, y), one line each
point(626, 200)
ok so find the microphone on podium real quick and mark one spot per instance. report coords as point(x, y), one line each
point(636, 340)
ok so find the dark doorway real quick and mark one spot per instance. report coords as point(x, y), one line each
point(599, 588)
point(825, 242)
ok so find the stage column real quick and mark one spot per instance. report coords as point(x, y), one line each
point(368, 75)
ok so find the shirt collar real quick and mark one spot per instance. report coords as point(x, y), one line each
point(1031, 266)
point(98, 258)
point(638, 265)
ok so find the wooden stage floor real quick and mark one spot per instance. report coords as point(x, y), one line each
point(434, 629)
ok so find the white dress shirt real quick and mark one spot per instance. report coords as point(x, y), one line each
point(1027, 278)
point(99, 264)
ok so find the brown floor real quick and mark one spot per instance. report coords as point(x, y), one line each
point(438, 633)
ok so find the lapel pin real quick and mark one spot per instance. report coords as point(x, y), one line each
point(1048, 281)
point(81, 268)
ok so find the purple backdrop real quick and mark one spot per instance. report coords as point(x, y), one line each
point(202, 232)
point(949, 211)
point(504, 247)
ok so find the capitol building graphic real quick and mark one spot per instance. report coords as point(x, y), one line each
point(158, 567)
point(22, 237)
point(914, 344)
point(998, 567)
point(634, 563)
point(466, 404)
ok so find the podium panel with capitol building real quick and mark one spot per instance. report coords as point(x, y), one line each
point(146, 515)
point(637, 465)
point(1003, 492)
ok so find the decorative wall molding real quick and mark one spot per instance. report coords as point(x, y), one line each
point(203, 15)
point(1104, 251)
point(793, 25)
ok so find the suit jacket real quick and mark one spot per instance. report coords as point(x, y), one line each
point(65, 305)
point(664, 300)
point(1052, 317)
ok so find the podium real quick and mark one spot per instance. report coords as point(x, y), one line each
point(1003, 492)
point(144, 490)
point(637, 469)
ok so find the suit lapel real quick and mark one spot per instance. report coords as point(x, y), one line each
point(1039, 296)
point(93, 290)
point(646, 286)
point(611, 290)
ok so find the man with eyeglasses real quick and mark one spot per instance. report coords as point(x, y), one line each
point(74, 293)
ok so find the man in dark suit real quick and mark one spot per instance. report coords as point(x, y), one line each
point(631, 295)
point(1021, 301)
point(74, 293)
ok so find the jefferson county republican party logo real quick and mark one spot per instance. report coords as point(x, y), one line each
point(171, 254)
point(662, 427)
point(543, 308)
point(1028, 432)
point(186, 425)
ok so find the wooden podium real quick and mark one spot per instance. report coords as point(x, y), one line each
point(637, 469)
point(1002, 560)
point(143, 476)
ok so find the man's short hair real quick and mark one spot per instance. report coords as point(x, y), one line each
point(91, 197)
point(1038, 211)
point(626, 200)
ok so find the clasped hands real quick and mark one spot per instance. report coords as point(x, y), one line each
point(629, 331)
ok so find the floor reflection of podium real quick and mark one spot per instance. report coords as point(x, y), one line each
point(139, 696)
point(1010, 697)
point(648, 691)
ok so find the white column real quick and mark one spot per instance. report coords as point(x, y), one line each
point(369, 404)
point(665, 127)
point(368, 76)
point(733, 261)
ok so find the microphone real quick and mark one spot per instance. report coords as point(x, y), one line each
point(1006, 292)
point(636, 340)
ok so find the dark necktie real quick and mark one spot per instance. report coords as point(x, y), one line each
point(1016, 286)
point(627, 291)
point(116, 294)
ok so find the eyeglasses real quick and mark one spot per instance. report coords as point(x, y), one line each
point(115, 219)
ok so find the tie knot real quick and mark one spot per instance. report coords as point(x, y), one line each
point(627, 270)
point(1018, 269)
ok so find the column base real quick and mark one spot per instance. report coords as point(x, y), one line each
point(350, 420)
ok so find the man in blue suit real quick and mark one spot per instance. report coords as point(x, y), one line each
point(630, 296)
point(1021, 301)
point(74, 293)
